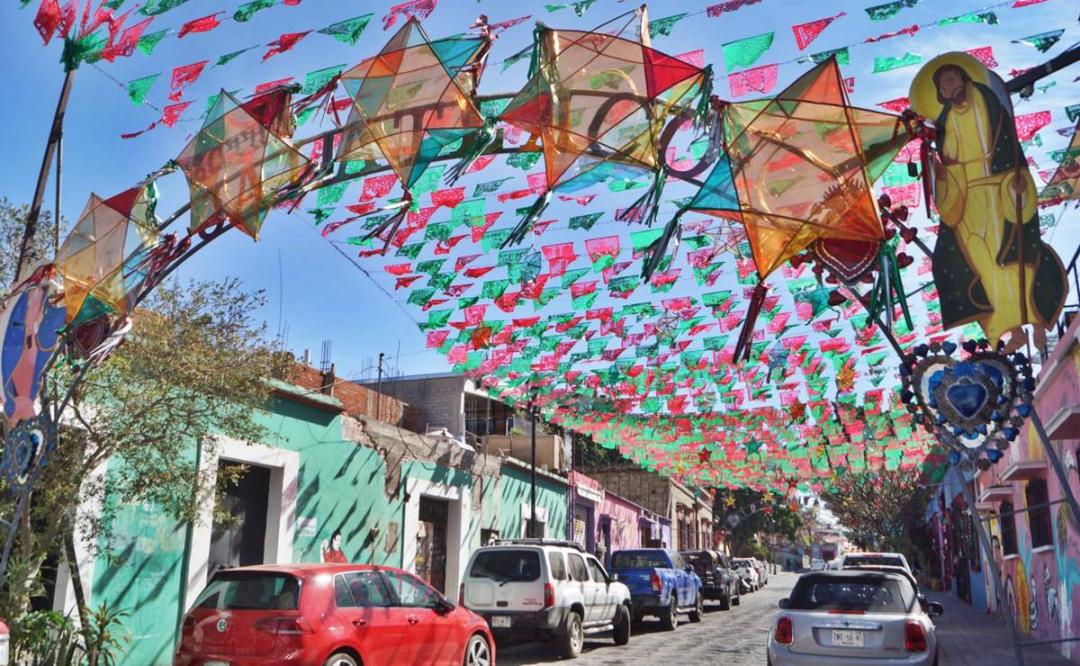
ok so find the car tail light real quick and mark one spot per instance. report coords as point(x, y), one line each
point(549, 595)
point(289, 626)
point(654, 579)
point(914, 637)
point(461, 595)
point(785, 632)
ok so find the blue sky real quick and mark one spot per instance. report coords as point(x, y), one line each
point(323, 296)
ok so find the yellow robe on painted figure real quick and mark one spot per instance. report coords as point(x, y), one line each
point(974, 201)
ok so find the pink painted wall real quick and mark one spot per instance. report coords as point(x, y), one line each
point(1043, 584)
point(625, 532)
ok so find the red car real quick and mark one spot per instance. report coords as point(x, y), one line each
point(329, 614)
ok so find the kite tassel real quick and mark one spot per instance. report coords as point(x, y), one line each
point(527, 221)
point(647, 206)
point(703, 112)
point(757, 302)
point(483, 140)
point(390, 225)
point(659, 247)
point(534, 59)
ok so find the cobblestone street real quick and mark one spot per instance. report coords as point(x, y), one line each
point(732, 638)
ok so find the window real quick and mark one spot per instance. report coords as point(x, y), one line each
point(506, 565)
point(488, 537)
point(638, 559)
point(875, 595)
point(411, 592)
point(1008, 529)
point(534, 529)
point(360, 589)
point(557, 565)
point(597, 571)
point(1042, 532)
point(251, 591)
point(578, 572)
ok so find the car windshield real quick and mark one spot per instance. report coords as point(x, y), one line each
point(638, 559)
point(873, 560)
point(505, 565)
point(245, 590)
point(869, 595)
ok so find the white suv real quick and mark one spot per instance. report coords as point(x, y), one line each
point(538, 589)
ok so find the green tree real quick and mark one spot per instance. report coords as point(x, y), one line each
point(758, 514)
point(194, 367)
point(883, 509)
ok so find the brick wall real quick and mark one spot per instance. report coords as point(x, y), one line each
point(357, 400)
point(637, 485)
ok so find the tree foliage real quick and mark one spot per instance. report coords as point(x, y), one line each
point(193, 368)
point(758, 514)
point(883, 509)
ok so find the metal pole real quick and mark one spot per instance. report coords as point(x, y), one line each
point(995, 574)
point(532, 469)
point(1055, 462)
point(43, 176)
point(378, 389)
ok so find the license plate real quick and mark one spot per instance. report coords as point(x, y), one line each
point(501, 621)
point(841, 638)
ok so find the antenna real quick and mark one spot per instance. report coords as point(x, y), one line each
point(324, 359)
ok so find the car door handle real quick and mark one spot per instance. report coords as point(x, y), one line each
point(412, 619)
point(359, 622)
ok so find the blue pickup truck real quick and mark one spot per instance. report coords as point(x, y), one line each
point(661, 583)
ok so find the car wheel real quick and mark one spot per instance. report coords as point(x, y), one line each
point(572, 637)
point(725, 602)
point(341, 659)
point(622, 626)
point(699, 609)
point(669, 618)
point(478, 652)
point(736, 600)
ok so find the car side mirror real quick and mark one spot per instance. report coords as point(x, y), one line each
point(613, 578)
point(934, 609)
point(783, 603)
point(442, 606)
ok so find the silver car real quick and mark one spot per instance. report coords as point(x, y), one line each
point(854, 618)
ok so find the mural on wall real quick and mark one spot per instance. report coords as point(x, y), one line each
point(330, 550)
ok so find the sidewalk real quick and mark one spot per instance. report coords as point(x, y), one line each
point(967, 637)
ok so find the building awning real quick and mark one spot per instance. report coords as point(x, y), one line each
point(998, 493)
point(1025, 471)
point(1064, 424)
point(587, 493)
point(985, 507)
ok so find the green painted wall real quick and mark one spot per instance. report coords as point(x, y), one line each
point(139, 565)
point(341, 486)
point(515, 489)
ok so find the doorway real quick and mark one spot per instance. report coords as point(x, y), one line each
point(238, 536)
point(431, 551)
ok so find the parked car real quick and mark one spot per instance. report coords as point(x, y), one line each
point(545, 590)
point(332, 614)
point(869, 617)
point(661, 584)
point(747, 574)
point(719, 581)
point(874, 559)
point(762, 570)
